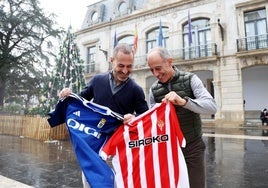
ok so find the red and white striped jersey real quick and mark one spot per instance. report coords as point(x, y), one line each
point(147, 152)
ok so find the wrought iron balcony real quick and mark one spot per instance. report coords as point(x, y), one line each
point(196, 52)
point(252, 43)
point(90, 68)
point(200, 51)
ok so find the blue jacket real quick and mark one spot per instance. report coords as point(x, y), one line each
point(129, 99)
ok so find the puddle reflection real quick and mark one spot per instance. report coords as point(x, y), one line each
point(236, 162)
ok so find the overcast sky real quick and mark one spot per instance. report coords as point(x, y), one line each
point(68, 11)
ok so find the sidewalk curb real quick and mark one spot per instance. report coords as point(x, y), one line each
point(10, 183)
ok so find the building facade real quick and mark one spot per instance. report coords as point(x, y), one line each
point(225, 42)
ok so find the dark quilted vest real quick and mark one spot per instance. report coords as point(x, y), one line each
point(190, 122)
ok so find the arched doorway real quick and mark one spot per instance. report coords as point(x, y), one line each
point(255, 90)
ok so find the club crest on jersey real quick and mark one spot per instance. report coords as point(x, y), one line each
point(160, 124)
point(101, 123)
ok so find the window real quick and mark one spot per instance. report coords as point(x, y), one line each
point(129, 39)
point(256, 29)
point(122, 8)
point(94, 17)
point(152, 38)
point(91, 59)
point(201, 39)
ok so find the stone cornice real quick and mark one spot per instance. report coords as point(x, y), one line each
point(249, 3)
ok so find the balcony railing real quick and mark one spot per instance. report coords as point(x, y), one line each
point(140, 61)
point(252, 43)
point(196, 52)
point(90, 68)
point(200, 51)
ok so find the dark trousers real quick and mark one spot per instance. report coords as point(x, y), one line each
point(264, 120)
point(194, 154)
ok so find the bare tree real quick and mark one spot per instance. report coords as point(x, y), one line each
point(25, 31)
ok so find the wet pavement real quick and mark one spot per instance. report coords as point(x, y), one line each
point(39, 164)
point(235, 158)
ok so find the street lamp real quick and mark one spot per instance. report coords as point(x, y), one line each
point(105, 53)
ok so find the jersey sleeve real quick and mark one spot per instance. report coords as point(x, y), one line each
point(57, 115)
point(109, 149)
